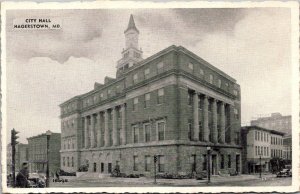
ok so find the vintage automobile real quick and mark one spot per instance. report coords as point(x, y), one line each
point(36, 180)
point(284, 173)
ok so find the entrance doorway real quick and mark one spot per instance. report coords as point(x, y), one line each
point(214, 165)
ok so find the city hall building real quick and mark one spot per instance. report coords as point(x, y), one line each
point(172, 104)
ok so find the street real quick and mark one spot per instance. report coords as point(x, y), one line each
point(243, 180)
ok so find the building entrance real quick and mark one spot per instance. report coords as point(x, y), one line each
point(214, 165)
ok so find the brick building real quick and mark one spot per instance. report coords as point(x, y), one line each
point(20, 157)
point(258, 141)
point(37, 154)
point(172, 104)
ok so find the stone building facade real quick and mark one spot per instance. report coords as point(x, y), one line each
point(260, 142)
point(37, 153)
point(172, 104)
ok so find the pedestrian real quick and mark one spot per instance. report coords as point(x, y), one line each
point(22, 176)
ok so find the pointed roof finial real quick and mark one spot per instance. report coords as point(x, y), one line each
point(131, 24)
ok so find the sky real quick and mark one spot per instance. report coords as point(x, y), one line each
point(47, 67)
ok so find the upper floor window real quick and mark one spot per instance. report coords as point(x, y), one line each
point(201, 71)
point(226, 86)
point(135, 78)
point(160, 125)
point(160, 66)
point(135, 134)
point(147, 100)
point(160, 96)
point(108, 93)
point(147, 73)
point(219, 83)
point(137, 55)
point(191, 66)
point(101, 96)
point(135, 103)
point(211, 79)
point(147, 129)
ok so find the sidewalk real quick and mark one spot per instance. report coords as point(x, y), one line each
point(175, 182)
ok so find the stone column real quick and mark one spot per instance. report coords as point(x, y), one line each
point(114, 125)
point(123, 130)
point(205, 119)
point(99, 134)
point(106, 130)
point(231, 124)
point(92, 131)
point(86, 132)
point(196, 117)
point(214, 122)
point(222, 122)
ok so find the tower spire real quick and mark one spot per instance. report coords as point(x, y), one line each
point(131, 24)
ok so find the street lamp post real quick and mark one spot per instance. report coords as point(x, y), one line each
point(208, 164)
point(48, 134)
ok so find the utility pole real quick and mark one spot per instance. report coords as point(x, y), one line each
point(14, 142)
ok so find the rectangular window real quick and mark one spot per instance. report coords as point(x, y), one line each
point(190, 130)
point(222, 161)
point(68, 161)
point(219, 83)
point(135, 134)
point(135, 163)
point(201, 71)
point(147, 129)
point(255, 135)
point(256, 151)
point(64, 161)
point(160, 66)
point(161, 163)
point(109, 168)
point(72, 161)
point(265, 151)
point(191, 66)
point(135, 103)
point(258, 135)
point(147, 100)
point(147, 73)
point(229, 161)
point(161, 130)
point(102, 167)
point(193, 158)
point(135, 78)
point(160, 96)
point(211, 79)
point(147, 163)
point(236, 113)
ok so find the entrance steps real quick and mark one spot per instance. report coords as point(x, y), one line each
point(92, 175)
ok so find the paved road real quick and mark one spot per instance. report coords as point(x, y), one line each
point(145, 182)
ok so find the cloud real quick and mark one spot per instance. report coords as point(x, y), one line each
point(45, 68)
point(257, 55)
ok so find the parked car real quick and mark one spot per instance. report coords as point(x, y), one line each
point(36, 180)
point(285, 173)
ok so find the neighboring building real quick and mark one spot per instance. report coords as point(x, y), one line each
point(172, 104)
point(258, 141)
point(8, 158)
point(287, 147)
point(276, 122)
point(20, 157)
point(37, 154)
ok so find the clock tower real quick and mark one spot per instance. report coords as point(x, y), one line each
point(131, 54)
